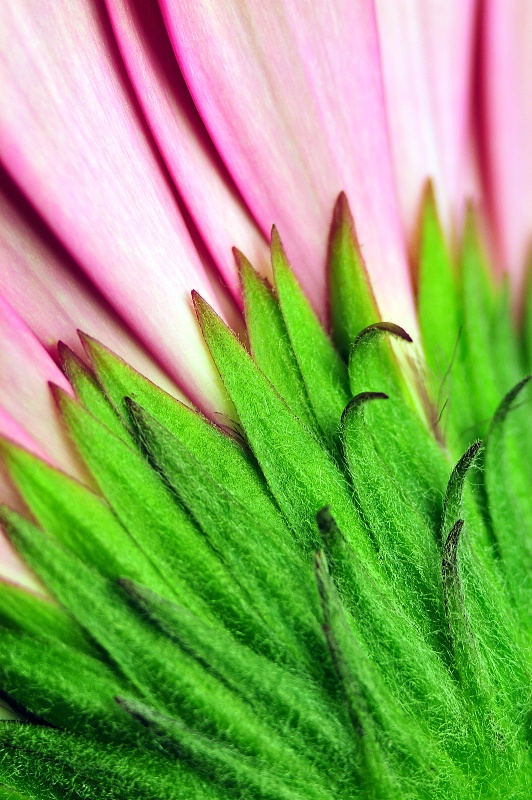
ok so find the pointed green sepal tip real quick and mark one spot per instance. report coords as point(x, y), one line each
point(280, 264)
point(68, 406)
point(88, 388)
point(210, 322)
point(323, 371)
point(251, 283)
point(352, 304)
point(61, 397)
point(438, 304)
point(276, 244)
point(70, 362)
point(270, 342)
point(202, 308)
point(506, 404)
point(243, 263)
point(93, 347)
point(248, 277)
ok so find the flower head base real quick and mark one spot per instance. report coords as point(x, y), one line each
point(319, 606)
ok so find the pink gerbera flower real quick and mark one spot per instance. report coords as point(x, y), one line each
point(318, 584)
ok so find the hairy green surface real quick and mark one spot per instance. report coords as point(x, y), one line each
point(334, 602)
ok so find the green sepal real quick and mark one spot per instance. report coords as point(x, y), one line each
point(452, 506)
point(269, 571)
point(486, 643)
point(90, 392)
point(302, 476)
point(490, 346)
point(440, 311)
point(374, 773)
point(270, 344)
point(461, 502)
point(39, 617)
point(352, 302)
point(268, 779)
point(295, 705)
point(386, 507)
point(412, 456)
point(161, 673)
point(372, 363)
point(225, 459)
point(509, 359)
point(505, 341)
point(26, 766)
point(376, 716)
point(153, 516)
point(78, 518)
point(388, 636)
point(471, 670)
point(438, 308)
point(483, 630)
point(405, 441)
point(162, 528)
point(12, 794)
point(455, 611)
point(89, 598)
point(64, 687)
point(509, 500)
point(345, 565)
point(527, 318)
point(323, 370)
point(481, 384)
point(48, 764)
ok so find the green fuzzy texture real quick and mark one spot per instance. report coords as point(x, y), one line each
point(331, 604)
point(225, 459)
point(36, 616)
point(352, 304)
point(323, 370)
point(270, 344)
point(438, 303)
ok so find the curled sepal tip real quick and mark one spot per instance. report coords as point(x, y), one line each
point(455, 488)
point(357, 403)
point(372, 361)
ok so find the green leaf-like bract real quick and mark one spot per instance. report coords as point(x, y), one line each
point(334, 603)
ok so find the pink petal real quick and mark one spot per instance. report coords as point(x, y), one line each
point(291, 95)
point(72, 137)
point(43, 284)
point(11, 429)
point(29, 414)
point(507, 127)
point(427, 53)
point(196, 168)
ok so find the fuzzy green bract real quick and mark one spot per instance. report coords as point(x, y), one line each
point(333, 600)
